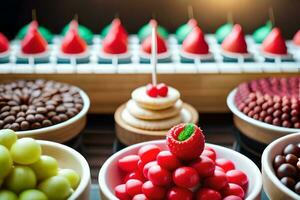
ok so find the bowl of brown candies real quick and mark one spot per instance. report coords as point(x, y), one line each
point(43, 109)
point(281, 168)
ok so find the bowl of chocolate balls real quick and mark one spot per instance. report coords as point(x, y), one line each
point(266, 109)
point(281, 168)
point(43, 109)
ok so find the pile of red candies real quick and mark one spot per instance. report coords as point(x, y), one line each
point(156, 174)
point(271, 100)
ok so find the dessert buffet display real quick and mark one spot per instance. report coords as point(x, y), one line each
point(43, 109)
point(152, 109)
point(31, 169)
point(180, 167)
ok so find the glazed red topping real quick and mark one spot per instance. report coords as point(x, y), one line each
point(147, 44)
point(157, 90)
point(271, 100)
point(235, 42)
point(274, 43)
point(296, 38)
point(33, 42)
point(4, 44)
point(195, 42)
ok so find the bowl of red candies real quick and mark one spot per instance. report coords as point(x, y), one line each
point(281, 168)
point(182, 167)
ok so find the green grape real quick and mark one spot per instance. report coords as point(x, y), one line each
point(7, 137)
point(45, 167)
point(20, 178)
point(26, 151)
point(56, 188)
point(5, 162)
point(7, 195)
point(32, 195)
point(71, 176)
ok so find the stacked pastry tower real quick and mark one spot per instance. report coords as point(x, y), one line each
point(154, 108)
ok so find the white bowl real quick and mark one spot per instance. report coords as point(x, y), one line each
point(70, 159)
point(272, 185)
point(255, 129)
point(109, 175)
point(63, 131)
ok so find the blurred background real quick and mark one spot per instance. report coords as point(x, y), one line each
point(95, 14)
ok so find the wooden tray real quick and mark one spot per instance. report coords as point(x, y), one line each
point(129, 135)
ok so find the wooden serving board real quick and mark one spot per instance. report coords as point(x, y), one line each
point(129, 135)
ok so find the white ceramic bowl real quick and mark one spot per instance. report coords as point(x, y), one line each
point(272, 185)
point(255, 129)
point(71, 159)
point(109, 175)
point(64, 131)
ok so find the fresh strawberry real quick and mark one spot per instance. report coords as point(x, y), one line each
point(186, 141)
point(151, 90)
point(162, 89)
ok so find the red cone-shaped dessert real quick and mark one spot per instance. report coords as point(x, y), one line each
point(195, 43)
point(235, 42)
point(4, 44)
point(73, 43)
point(33, 42)
point(116, 40)
point(275, 43)
point(296, 38)
point(147, 44)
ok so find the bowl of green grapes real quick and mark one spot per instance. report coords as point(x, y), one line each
point(41, 170)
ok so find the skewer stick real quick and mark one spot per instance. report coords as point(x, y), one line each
point(190, 12)
point(115, 62)
point(272, 16)
point(230, 18)
point(76, 17)
point(33, 14)
point(154, 55)
point(73, 62)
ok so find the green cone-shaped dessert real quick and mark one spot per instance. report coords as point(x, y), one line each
point(145, 31)
point(43, 31)
point(84, 32)
point(183, 30)
point(262, 32)
point(223, 31)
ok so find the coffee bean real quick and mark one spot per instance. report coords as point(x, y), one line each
point(55, 119)
point(36, 125)
point(9, 119)
point(68, 105)
point(20, 119)
point(286, 170)
point(12, 103)
point(63, 117)
point(1, 124)
point(46, 123)
point(79, 107)
point(51, 114)
point(4, 114)
point(292, 149)
point(6, 126)
point(39, 117)
point(20, 114)
point(70, 114)
point(278, 160)
point(41, 110)
point(297, 187)
point(25, 125)
point(288, 181)
point(50, 107)
point(61, 109)
point(30, 118)
point(5, 108)
point(292, 159)
point(15, 126)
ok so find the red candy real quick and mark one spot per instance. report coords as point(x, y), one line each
point(208, 194)
point(120, 192)
point(296, 38)
point(233, 189)
point(151, 90)
point(180, 173)
point(162, 89)
point(188, 149)
point(274, 43)
point(204, 166)
point(4, 43)
point(217, 181)
point(159, 176)
point(195, 42)
point(140, 197)
point(147, 45)
point(238, 177)
point(128, 163)
point(186, 177)
point(153, 191)
point(235, 42)
point(148, 152)
point(179, 193)
point(133, 187)
point(225, 164)
point(167, 160)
